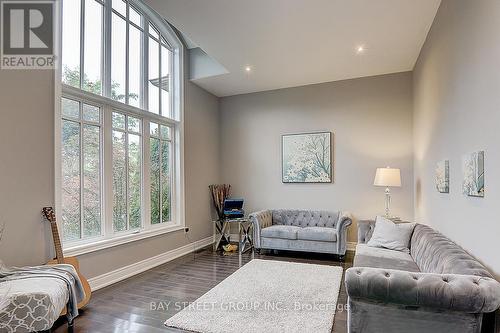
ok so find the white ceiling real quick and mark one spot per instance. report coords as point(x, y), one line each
point(297, 42)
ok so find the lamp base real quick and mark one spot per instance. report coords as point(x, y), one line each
point(387, 202)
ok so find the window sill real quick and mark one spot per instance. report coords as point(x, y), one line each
point(102, 244)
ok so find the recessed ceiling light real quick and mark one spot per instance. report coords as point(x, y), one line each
point(360, 49)
point(248, 69)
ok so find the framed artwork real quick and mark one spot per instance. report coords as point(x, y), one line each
point(473, 169)
point(307, 158)
point(443, 176)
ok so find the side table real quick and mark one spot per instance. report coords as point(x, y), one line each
point(245, 229)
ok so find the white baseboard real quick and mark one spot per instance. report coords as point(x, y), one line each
point(122, 273)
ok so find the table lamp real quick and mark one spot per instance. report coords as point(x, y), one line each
point(387, 177)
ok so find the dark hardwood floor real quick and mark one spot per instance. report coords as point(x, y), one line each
point(139, 304)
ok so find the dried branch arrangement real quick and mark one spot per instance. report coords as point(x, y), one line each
point(219, 193)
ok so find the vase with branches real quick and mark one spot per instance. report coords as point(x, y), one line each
point(219, 192)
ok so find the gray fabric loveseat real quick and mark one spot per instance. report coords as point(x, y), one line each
point(437, 287)
point(301, 230)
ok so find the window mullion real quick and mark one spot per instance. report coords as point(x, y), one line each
point(145, 69)
point(171, 178)
point(82, 42)
point(106, 49)
point(159, 79)
point(171, 86)
point(102, 186)
point(171, 165)
point(127, 203)
point(177, 170)
point(127, 47)
point(82, 173)
point(160, 165)
point(108, 172)
point(146, 174)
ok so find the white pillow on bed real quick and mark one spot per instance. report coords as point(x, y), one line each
point(390, 235)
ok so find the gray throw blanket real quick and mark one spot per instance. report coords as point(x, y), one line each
point(66, 273)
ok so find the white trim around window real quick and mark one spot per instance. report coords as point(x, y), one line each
point(101, 244)
point(108, 237)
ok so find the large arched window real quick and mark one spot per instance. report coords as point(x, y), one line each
point(120, 135)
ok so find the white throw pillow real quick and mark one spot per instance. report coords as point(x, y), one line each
point(390, 235)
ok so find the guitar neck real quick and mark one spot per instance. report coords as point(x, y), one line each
point(57, 243)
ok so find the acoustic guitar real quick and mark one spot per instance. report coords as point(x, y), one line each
point(49, 214)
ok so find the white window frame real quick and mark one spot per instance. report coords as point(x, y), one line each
point(81, 122)
point(109, 238)
point(171, 167)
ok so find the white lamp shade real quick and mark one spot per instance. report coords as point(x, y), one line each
point(387, 177)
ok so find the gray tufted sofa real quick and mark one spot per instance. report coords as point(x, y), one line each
point(301, 230)
point(437, 287)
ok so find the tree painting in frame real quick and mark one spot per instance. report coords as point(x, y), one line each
point(307, 158)
point(443, 176)
point(473, 168)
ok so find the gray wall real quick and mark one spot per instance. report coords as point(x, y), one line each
point(27, 174)
point(26, 164)
point(457, 99)
point(371, 119)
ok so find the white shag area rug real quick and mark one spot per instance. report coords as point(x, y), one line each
point(266, 296)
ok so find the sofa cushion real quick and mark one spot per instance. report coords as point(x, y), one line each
point(317, 234)
point(367, 256)
point(280, 231)
point(390, 235)
point(299, 245)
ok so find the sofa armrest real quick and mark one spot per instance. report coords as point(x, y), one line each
point(260, 220)
point(365, 230)
point(465, 293)
point(344, 221)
